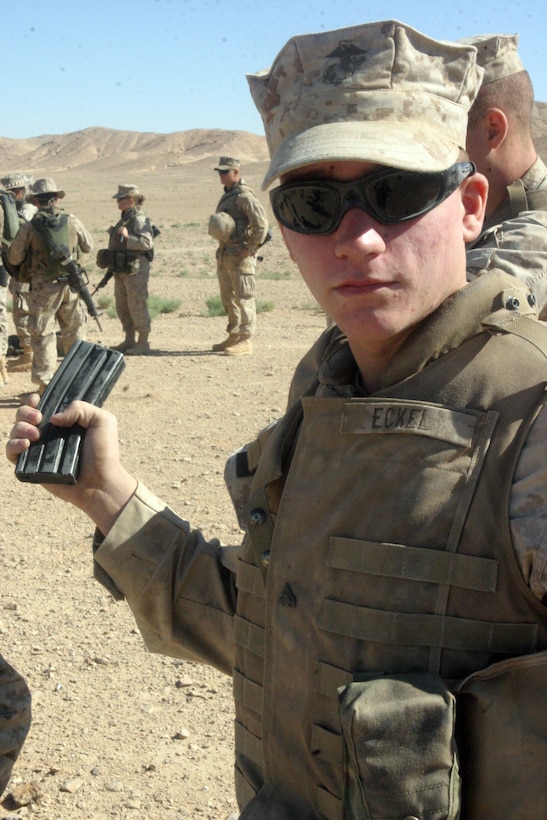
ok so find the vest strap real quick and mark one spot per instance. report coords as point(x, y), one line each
point(405, 629)
point(413, 563)
point(249, 579)
point(327, 745)
point(249, 636)
point(328, 805)
point(247, 692)
point(248, 745)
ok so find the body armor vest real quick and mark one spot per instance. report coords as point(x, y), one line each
point(62, 232)
point(379, 543)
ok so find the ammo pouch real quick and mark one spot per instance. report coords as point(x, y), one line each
point(400, 755)
point(502, 738)
point(118, 261)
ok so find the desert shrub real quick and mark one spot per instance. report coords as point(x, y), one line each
point(157, 305)
point(215, 308)
point(104, 301)
point(276, 275)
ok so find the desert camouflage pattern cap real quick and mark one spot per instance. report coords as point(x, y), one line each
point(379, 92)
point(227, 163)
point(46, 185)
point(12, 182)
point(497, 55)
point(126, 190)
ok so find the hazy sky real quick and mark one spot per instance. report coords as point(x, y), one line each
point(172, 65)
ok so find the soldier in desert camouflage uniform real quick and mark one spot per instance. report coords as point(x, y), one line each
point(50, 298)
point(17, 184)
point(499, 141)
point(130, 252)
point(9, 225)
point(236, 257)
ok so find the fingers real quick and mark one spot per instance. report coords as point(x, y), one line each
point(25, 430)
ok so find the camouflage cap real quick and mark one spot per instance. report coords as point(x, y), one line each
point(12, 182)
point(126, 190)
point(47, 185)
point(379, 92)
point(497, 54)
point(227, 164)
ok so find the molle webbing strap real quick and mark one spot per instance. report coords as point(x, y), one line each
point(413, 563)
point(406, 629)
point(329, 806)
point(327, 745)
point(248, 745)
point(247, 692)
point(249, 579)
point(249, 636)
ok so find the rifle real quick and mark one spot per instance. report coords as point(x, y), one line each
point(76, 276)
point(104, 281)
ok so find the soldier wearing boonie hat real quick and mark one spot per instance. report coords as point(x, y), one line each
point(50, 299)
point(390, 559)
point(499, 141)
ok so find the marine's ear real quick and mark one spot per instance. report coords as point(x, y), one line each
point(474, 194)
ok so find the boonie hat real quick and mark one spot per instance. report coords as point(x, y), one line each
point(497, 54)
point(126, 190)
point(13, 181)
point(47, 185)
point(378, 92)
point(227, 163)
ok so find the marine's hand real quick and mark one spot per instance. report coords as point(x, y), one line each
point(104, 486)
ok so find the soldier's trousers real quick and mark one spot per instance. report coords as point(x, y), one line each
point(131, 292)
point(236, 281)
point(52, 302)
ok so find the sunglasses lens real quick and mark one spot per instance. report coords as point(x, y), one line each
point(398, 197)
point(306, 208)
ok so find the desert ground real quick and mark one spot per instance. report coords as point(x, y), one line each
point(118, 732)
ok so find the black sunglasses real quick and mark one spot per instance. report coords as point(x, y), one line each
point(390, 196)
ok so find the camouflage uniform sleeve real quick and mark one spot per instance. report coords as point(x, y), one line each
point(517, 246)
point(18, 248)
point(140, 236)
point(180, 590)
point(15, 717)
point(85, 240)
point(255, 214)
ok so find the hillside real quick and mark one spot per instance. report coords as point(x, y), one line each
point(107, 149)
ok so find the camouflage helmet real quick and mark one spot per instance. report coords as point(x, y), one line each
point(221, 226)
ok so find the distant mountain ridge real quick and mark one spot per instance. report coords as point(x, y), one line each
point(107, 148)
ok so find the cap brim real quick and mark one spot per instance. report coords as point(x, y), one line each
point(407, 146)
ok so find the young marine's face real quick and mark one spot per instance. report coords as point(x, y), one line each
point(378, 281)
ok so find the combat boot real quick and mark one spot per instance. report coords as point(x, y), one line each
point(23, 363)
point(128, 342)
point(229, 342)
point(142, 348)
point(3, 371)
point(243, 348)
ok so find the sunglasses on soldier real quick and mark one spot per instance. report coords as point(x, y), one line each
point(317, 206)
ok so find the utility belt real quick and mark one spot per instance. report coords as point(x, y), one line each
point(412, 748)
point(121, 261)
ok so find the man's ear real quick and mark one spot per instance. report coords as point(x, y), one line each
point(496, 127)
point(474, 193)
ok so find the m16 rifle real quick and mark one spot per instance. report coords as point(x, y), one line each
point(104, 281)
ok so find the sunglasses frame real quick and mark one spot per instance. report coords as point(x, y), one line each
point(353, 194)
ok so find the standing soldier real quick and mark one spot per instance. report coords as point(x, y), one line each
point(50, 298)
point(16, 184)
point(236, 260)
point(9, 225)
point(131, 250)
